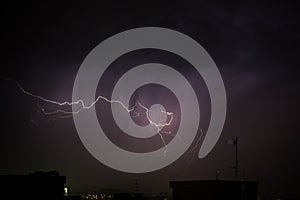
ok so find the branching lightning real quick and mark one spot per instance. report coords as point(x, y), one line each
point(82, 106)
point(159, 125)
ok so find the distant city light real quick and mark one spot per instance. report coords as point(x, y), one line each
point(97, 196)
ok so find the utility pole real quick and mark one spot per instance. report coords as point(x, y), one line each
point(136, 186)
point(236, 158)
point(235, 142)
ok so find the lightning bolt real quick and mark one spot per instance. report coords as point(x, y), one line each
point(159, 125)
point(83, 106)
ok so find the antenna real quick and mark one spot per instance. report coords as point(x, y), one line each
point(136, 185)
point(236, 158)
point(235, 142)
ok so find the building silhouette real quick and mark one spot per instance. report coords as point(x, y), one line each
point(214, 189)
point(37, 185)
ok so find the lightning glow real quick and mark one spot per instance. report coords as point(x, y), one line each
point(159, 125)
point(83, 106)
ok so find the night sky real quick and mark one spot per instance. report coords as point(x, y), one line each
point(255, 47)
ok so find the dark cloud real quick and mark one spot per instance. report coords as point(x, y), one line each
point(255, 46)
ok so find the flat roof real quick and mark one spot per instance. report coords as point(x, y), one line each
point(208, 183)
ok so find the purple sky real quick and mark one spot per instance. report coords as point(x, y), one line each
point(255, 47)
